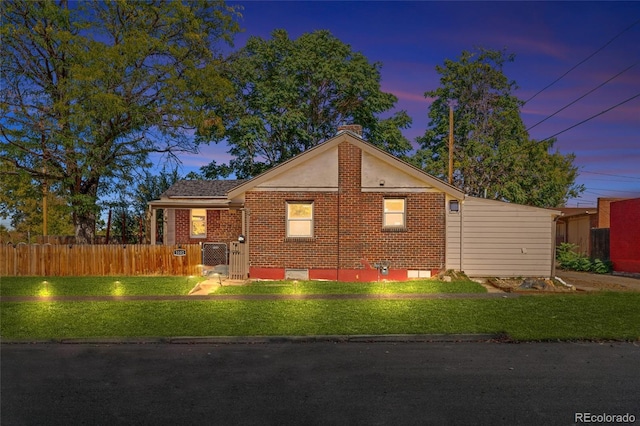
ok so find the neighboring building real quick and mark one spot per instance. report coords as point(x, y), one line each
point(625, 235)
point(348, 211)
point(587, 228)
point(604, 211)
point(574, 227)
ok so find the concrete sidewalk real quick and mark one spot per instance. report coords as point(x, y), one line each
point(257, 297)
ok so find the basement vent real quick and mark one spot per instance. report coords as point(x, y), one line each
point(418, 274)
point(296, 274)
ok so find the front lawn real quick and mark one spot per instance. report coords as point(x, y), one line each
point(161, 285)
point(97, 286)
point(590, 316)
point(333, 287)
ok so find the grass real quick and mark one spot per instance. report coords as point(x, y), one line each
point(160, 285)
point(332, 287)
point(96, 286)
point(593, 316)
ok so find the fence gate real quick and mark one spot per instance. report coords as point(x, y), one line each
point(214, 254)
point(238, 261)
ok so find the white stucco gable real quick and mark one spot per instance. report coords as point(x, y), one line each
point(315, 173)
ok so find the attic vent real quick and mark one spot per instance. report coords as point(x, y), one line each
point(354, 128)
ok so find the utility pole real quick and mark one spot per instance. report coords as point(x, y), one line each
point(450, 144)
point(45, 184)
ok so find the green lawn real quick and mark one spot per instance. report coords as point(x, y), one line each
point(592, 316)
point(96, 286)
point(160, 285)
point(333, 287)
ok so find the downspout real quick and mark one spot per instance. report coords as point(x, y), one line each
point(462, 233)
point(554, 236)
point(338, 237)
point(246, 213)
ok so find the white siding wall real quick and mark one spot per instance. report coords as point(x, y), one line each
point(506, 240)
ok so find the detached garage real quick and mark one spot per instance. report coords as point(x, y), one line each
point(488, 238)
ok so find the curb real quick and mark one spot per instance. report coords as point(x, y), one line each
point(194, 340)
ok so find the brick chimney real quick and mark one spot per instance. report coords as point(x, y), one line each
point(353, 128)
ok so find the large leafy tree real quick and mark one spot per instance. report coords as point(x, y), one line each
point(291, 95)
point(90, 89)
point(22, 202)
point(493, 154)
point(130, 212)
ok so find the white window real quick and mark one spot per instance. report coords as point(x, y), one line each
point(300, 219)
point(198, 223)
point(394, 213)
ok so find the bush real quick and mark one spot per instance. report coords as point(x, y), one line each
point(569, 258)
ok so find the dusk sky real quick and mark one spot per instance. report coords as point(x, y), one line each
point(548, 39)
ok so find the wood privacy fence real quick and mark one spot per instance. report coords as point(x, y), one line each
point(600, 243)
point(99, 260)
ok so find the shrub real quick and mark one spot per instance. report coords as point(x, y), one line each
point(569, 258)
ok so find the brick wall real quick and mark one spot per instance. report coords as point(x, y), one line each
point(222, 226)
point(348, 231)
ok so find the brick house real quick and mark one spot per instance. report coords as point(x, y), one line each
point(348, 211)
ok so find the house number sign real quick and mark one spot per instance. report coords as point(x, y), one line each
point(179, 252)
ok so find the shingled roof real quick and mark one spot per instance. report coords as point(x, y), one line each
point(201, 188)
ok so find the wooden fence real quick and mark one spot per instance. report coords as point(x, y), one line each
point(99, 260)
point(600, 243)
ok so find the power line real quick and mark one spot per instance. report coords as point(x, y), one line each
point(583, 96)
point(583, 61)
point(592, 117)
point(609, 174)
point(615, 190)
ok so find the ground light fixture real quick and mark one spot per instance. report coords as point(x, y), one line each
point(44, 291)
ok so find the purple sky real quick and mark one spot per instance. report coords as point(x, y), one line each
point(548, 38)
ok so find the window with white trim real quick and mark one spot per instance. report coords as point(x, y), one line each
point(395, 213)
point(299, 219)
point(198, 223)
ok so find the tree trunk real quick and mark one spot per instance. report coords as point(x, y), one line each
point(85, 211)
point(85, 225)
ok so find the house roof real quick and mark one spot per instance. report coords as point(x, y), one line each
point(201, 188)
point(354, 139)
point(577, 211)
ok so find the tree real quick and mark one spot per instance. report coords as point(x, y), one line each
point(89, 91)
point(21, 201)
point(493, 154)
point(290, 95)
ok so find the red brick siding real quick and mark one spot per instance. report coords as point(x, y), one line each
point(268, 245)
point(222, 226)
point(355, 241)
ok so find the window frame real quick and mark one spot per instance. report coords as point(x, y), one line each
point(386, 213)
point(289, 220)
point(192, 217)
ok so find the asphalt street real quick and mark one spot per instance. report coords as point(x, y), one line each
point(320, 383)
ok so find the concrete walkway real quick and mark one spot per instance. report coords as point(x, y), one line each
point(596, 282)
point(227, 297)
